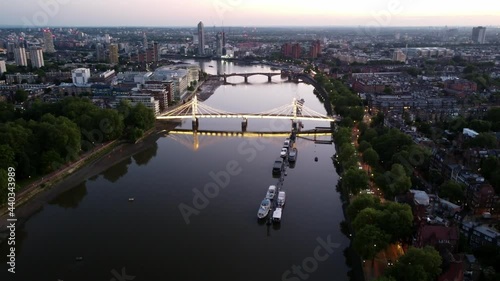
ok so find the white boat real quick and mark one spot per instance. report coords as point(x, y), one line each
point(284, 152)
point(271, 192)
point(281, 198)
point(286, 144)
point(265, 205)
point(277, 215)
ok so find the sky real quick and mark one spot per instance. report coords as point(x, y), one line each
point(380, 13)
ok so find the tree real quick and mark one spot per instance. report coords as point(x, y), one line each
point(7, 112)
point(418, 264)
point(396, 220)
point(483, 140)
point(21, 95)
point(355, 180)
point(385, 278)
point(3, 182)
point(378, 120)
point(140, 117)
point(370, 156)
point(342, 136)
point(369, 135)
point(370, 240)
point(452, 191)
point(365, 217)
point(346, 151)
point(480, 126)
point(7, 157)
point(50, 161)
point(361, 202)
point(395, 181)
point(364, 145)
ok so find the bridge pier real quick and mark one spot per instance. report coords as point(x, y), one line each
point(195, 123)
point(269, 78)
point(246, 79)
point(225, 79)
point(244, 124)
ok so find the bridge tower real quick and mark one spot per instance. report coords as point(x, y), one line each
point(244, 124)
point(194, 111)
point(295, 106)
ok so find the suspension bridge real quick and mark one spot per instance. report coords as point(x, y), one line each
point(195, 109)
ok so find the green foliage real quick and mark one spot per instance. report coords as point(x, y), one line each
point(394, 182)
point(480, 126)
point(346, 151)
point(490, 169)
point(342, 136)
point(370, 156)
point(7, 112)
point(355, 180)
point(361, 202)
point(452, 191)
point(370, 240)
point(369, 135)
point(396, 220)
point(388, 144)
point(363, 146)
point(385, 278)
point(134, 134)
point(7, 157)
point(365, 217)
point(378, 120)
point(21, 95)
point(417, 265)
point(483, 140)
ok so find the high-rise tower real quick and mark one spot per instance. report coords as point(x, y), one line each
point(201, 39)
point(479, 34)
point(48, 41)
point(36, 57)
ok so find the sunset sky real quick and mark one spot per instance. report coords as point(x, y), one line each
point(249, 12)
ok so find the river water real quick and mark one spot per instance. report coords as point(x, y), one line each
point(216, 236)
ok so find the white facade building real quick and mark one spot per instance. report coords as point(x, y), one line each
point(3, 68)
point(36, 57)
point(20, 56)
point(80, 76)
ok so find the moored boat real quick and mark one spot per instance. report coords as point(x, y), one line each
point(277, 215)
point(265, 205)
point(271, 192)
point(281, 199)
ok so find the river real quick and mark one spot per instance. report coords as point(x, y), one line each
point(171, 232)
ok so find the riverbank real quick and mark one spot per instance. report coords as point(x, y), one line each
point(96, 165)
point(209, 87)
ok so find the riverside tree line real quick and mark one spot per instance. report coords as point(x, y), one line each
point(376, 225)
point(45, 136)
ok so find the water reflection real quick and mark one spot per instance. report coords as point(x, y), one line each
point(114, 173)
point(143, 157)
point(71, 198)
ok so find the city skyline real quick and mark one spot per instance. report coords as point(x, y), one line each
point(390, 13)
